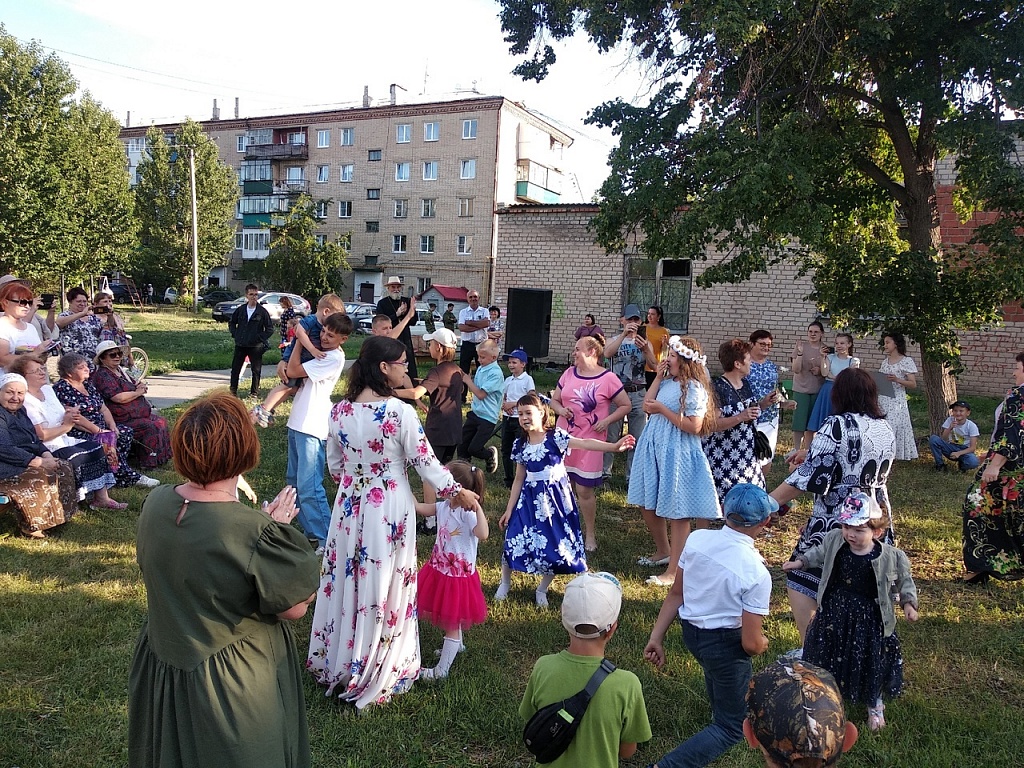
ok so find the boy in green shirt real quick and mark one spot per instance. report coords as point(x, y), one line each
point(616, 719)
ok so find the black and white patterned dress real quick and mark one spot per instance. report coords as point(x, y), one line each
point(731, 453)
point(851, 451)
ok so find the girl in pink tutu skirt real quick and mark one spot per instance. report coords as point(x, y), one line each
point(449, 594)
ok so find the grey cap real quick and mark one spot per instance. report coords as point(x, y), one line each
point(630, 311)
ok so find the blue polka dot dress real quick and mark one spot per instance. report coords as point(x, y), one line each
point(670, 471)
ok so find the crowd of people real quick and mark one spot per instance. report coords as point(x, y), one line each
point(695, 447)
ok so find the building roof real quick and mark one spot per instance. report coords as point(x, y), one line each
point(524, 208)
point(450, 292)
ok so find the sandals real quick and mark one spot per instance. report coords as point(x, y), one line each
point(658, 581)
point(109, 504)
point(650, 562)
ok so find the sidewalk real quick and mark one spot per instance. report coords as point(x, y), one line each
point(179, 387)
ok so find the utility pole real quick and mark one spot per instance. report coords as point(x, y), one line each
point(195, 231)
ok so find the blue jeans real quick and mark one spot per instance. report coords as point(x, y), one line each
point(637, 422)
point(942, 448)
point(306, 459)
point(727, 672)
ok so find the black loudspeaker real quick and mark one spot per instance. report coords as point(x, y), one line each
point(528, 321)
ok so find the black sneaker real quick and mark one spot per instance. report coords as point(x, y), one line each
point(492, 459)
point(940, 468)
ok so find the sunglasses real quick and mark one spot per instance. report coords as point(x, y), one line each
point(112, 354)
point(23, 302)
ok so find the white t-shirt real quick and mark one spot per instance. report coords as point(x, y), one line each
point(19, 337)
point(49, 413)
point(723, 575)
point(961, 435)
point(516, 387)
point(311, 407)
point(480, 313)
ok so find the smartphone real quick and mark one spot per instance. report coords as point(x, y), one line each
point(100, 310)
point(46, 301)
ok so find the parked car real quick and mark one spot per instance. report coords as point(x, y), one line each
point(269, 299)
point(170, 296)
point(120, 293)
point(216, 295)
point(422, 311)
point(359, 311)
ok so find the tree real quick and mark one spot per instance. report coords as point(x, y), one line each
point(65, 206)
point(164, 205)
point(811, 131)
point(297, 262)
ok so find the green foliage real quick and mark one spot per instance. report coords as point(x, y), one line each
point(164, 206)
point(65, 206)
point(297, 263)
point(812, 131)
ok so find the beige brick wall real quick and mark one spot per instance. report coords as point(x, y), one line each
point(551, 247)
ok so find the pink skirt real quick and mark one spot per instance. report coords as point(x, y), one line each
point(450, 602)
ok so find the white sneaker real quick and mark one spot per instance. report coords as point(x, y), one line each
point(542, 599)
point(147, 482)
point(502, 592)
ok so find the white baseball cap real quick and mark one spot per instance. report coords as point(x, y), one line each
point(591, 605)
point(442, 336)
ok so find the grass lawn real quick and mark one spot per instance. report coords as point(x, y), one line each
point(71, 606)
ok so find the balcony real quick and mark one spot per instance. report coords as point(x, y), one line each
point(291, 187)
point(277, 152)
point(537, 183)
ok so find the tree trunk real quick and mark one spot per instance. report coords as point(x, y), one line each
point(940, 391)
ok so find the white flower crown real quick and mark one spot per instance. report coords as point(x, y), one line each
point(684, 351)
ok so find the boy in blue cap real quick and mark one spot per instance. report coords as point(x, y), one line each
point(720, 597)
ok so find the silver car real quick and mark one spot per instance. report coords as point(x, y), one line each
point(269, 299)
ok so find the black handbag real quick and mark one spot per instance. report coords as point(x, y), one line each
point(762, 448)
point(551, 729)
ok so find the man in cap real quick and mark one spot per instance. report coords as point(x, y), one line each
point(628, 353)
point(795, 716)
point(616, 718)
point(395, 306)
point(720, 597)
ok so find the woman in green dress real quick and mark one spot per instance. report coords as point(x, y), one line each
point(216, 679)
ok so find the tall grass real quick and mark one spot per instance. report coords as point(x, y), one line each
point(71, 606)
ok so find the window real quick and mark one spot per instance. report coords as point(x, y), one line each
point(345, 240)
point(465, 206)
point(398, 243)
point(467, 169)
point(464, 245)
point(402, 171)
point(427, 209)
point(665, 282)
point(344, 209)
point(138, 145)
point(401, 209)
point(347, 136)
point(430, 170)
point(426, 243)
point(373, 226)
point(255, 170)
point(423, 284)
point(373, 194)
point(240, 143)
point(321, 209)
point(297, 137)
point(257, 137)
point(431, 131)
point(347, 172)
point(321, 240)
point(323, 138)
point(323, 174)
point(403, 133)
point(469, 129)
point(373, 155)
point(253, 243)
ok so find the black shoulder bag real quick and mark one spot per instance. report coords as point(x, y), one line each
point(552, 728)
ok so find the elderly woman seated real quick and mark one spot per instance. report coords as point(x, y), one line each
point(40, 487)
point(53, 423)
point(74, 390)
point(127, 402)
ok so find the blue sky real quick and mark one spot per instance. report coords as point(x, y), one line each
point(163, 62)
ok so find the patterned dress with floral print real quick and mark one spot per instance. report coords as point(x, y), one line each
point(588, 400)
point(896, 410)
point(543, 533)
point(364, 646)
point(81, 335)
point(993, 514)
point(731, 451)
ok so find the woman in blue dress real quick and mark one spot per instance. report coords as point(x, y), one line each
point(832, 364)
point(542, 519)
point(671, 479)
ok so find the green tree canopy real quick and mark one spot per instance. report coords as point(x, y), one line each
point(297, 262)
point(65, 203)
point(164, 205)
point(812, 131)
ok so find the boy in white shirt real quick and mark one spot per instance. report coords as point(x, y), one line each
point(308, 426)
point(957, 441)
point(518, 384)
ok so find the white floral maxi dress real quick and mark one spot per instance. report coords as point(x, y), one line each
point(896, 410)
point(364, 644)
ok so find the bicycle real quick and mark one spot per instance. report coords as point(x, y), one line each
point(136, 362)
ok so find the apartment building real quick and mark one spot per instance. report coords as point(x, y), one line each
point(411, 189)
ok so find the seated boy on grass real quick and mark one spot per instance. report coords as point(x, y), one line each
point(616, 719)
point(307, 337)
point(957, 440)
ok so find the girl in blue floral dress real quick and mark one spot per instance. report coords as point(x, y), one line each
point(542, 520)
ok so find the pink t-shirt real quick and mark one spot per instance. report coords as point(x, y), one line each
point(589, 401)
